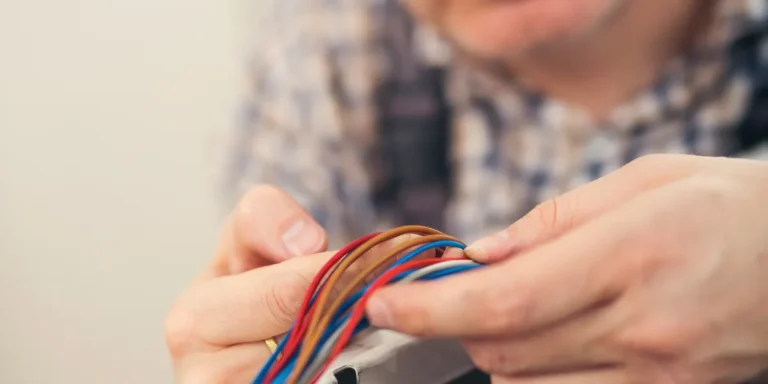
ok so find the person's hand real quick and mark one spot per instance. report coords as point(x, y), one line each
point(657, 273)
point(250, 292)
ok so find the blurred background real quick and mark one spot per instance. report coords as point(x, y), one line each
point(111, 120)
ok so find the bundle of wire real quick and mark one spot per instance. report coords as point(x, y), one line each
point(325, 325)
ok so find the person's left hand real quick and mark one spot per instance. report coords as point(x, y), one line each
point(657, 273)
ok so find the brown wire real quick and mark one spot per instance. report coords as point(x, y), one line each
point(360, 278)
point(335, 274)
point(314, 337)
point(373, 267)
point(317, 324)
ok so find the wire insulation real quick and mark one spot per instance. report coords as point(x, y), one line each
point(332, 313)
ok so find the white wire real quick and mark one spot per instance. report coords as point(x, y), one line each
point(325, 350)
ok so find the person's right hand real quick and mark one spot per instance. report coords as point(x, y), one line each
point(250, 292)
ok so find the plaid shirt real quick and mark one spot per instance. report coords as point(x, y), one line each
point(312, 118)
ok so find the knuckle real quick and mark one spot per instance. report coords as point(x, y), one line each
point(639, 262)
point(482, 361)
point(180, 331)
point(416, 322)
point(203, 374)
point(506, 309)
point(282, 301)
point(550, 215)
point(715, 194)
point(545, 213)
point(277, 306)
point(262, 191)
point(255, 197)
point(247, 211)
point(654, 169)
point(491, 359)
point(651, 162)
point(662, 163)
point(669, 339)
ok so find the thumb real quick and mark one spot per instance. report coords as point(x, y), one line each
point(266, 227)
point(558, 215)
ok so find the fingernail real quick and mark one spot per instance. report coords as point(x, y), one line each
point(302, 238)
point(490, 247)
point(379, 313)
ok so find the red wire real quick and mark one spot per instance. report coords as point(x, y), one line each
point(359, 309)
point(303, 316)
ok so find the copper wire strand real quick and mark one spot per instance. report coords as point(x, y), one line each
point(335, 274)
point(316, 328)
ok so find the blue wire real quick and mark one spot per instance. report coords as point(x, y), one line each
point(426, 247)
point(408, 257)
point(285, 372)
point(282, 377)
point(280, 346)
point(348, 303)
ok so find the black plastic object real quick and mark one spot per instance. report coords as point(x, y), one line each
point(347, 375)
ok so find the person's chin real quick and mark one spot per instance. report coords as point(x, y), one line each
point(491, 46)
point(517, 27)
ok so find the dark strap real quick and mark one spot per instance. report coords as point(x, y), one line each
point(745, 54)
point(414, 176)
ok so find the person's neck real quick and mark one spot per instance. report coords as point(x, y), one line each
point(608, 67)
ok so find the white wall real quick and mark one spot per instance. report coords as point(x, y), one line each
point(110, 113)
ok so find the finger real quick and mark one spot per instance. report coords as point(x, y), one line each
point(254, 305)
point(349, 280)
point(267, 226)
point(454, 253)
point(599, 376)
point(242, 308)
point(573, 344)
point(559, 279)
point(558, 215)
point(236, 364)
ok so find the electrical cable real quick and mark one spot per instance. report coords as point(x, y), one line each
point(324, 325)
point(358, 296)
point(334, 276)
point(430, 273)
point(341, 319)
point(290, 341)
point(358, 311)
point(312, 338)
point(427, 273)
